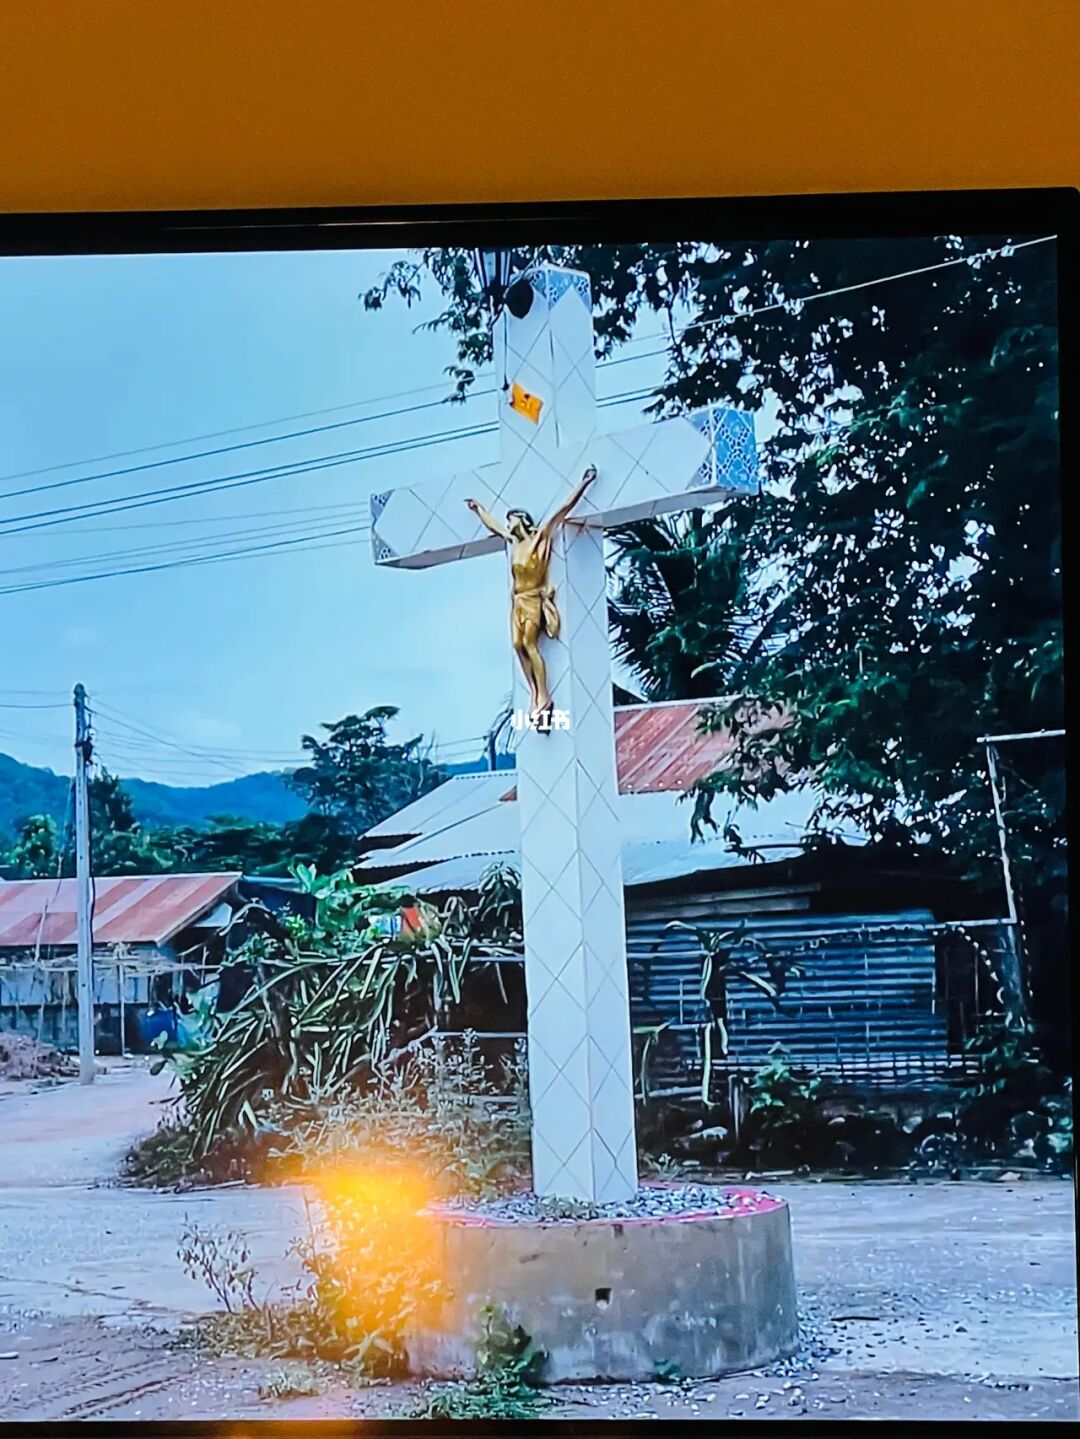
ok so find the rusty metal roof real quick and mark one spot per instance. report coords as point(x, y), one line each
point(128, 909)
point(659, 748)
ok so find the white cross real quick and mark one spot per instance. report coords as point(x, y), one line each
point(580, 1059)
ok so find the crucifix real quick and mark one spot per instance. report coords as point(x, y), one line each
point(555, 462)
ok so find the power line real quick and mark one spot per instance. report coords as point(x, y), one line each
point(6, 706)
point(136, 744)
point(356, 518)
point(1003, 251)
point(271, 547)
point(226, 482)
point(158, 524)
point(232, 430)
point(44, 519)
point(226, 449)
point(116, 718)
point(795, 303)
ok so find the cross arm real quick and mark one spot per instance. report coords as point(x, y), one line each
point(678, 464)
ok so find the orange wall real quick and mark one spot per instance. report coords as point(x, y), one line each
point(159, 103)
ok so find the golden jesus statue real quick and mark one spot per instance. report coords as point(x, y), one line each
point(533, 611)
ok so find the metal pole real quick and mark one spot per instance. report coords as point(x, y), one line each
point(992, 769)
point(1028, 734)
point(121, 975)
point(83, 933)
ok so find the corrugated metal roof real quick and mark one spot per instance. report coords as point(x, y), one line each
point(644, 862)
point(658, 750)
point(866, 1000)
point(658, 747)
point(457, 798)
point(128, 909)
point(478, 828)
point(490, 831)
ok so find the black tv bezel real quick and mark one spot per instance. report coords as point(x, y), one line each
point(850, 216)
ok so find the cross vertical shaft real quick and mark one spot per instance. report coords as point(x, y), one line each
point(580, 1064)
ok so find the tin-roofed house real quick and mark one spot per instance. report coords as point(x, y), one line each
point(152, 934)
point(888, 988)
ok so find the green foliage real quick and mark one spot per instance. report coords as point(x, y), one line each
point(370, 1256)
point(336, 1009)
point(1008, 1061)
point(727, 956)
point(902, 564)
point(369, 1271)
point(680, 611)
point(222, 1260)
point(293, 1381)
point(782, 1100)
point(261, 797)
point(1012, 1111)
point(33, 854)
point(785, 1121)
point(357, 777)
point(509, 1371)
point(506, 1350)
point(466, 1129)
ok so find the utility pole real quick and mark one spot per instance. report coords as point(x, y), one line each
point(84, 919)
point(491, 739)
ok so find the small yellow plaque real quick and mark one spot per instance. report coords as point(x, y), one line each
point(525, 403)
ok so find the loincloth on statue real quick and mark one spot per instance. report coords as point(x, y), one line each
point(537, 607)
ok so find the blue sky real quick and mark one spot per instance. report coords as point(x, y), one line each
point(233, 660)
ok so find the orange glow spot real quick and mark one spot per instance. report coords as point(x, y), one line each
point(383, 1269)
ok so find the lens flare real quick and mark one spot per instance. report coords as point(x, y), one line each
point(384, 1264)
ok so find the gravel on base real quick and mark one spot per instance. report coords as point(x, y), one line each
point(652, 1201)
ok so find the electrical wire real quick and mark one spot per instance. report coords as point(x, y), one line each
point(227, 449)
point(271, 548)
point(45, 519)
point(358, 518)
point(198, 488)
point(234, 430)
point(1001, 251)
point(795, 303)
point(48, 518)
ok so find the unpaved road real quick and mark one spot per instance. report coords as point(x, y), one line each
point(923, 1301)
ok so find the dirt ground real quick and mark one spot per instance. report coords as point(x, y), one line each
point(933, 1300)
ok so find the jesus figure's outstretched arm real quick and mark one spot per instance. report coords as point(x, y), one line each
point(488, 520)
point(563, 512)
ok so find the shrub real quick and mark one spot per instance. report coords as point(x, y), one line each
point(469, 1133)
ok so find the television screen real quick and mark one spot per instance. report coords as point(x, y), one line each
point(533, 874)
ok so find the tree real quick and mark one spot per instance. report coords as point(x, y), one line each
point(33, 854)
point(118, 844)
point(680, 599)
point(356, 777)
point(899, 592)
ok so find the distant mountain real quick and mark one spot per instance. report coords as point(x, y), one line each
point(25, 789)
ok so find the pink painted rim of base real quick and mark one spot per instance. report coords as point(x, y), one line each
point(750, 1202)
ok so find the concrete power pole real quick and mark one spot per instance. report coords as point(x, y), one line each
point(84, 918)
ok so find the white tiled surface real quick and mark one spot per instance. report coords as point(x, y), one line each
point(648, 469)
point(580, 1061)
